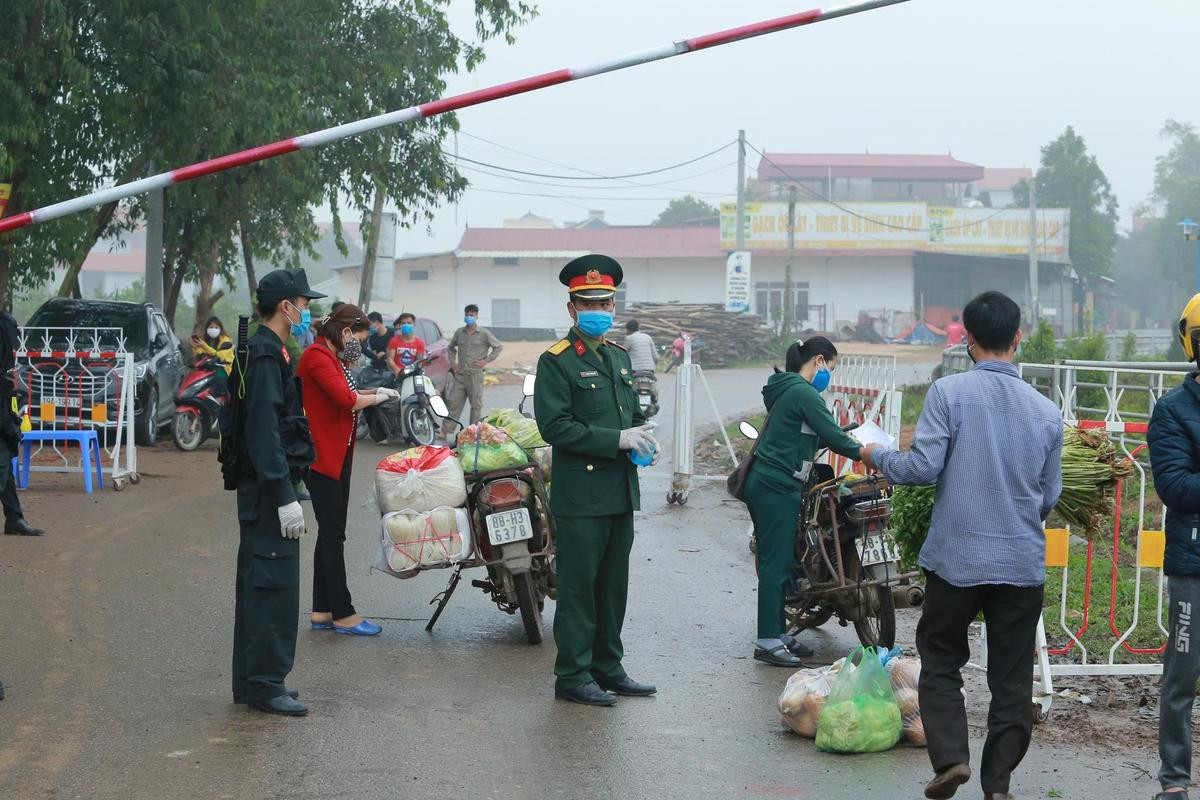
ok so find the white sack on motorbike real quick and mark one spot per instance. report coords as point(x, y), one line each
point(414, 541)
point(420, 479)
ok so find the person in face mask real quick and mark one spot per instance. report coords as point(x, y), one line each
point(472, 348)
point(405, 349)
point(798, 425)
point(214, 342)
point(274, 450)
point(332, 401)
point(587, 409)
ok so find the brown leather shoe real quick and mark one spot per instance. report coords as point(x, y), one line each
point(997, 796)
point(946, 783)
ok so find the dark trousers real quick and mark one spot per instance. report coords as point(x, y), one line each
point(331, 502)
point(267, 599)
point(592, 562)
point(1181, 671)
point(8, 496)
point(774, 506)
point(1012, 614)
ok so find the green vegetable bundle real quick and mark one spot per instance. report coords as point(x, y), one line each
point(861, 714)
point(521, 429)
point(1091, 467)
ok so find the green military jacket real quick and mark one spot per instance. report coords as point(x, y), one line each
point(582, 402)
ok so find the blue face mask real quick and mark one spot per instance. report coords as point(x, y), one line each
point(469, 319)
point(406, 329)
point(820, 380)
point(595, 323)
point(300, 328)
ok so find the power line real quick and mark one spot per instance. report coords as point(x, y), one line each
point(595, 177)
point(875, 220)
point(680, 190)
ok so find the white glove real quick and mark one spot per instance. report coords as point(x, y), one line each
point(291, 521)
point(383, 394)
point(638, 439)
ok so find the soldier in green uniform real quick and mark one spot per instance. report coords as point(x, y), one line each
point(272, 450)
point(587, 409)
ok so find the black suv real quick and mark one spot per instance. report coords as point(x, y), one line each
point(158, 362)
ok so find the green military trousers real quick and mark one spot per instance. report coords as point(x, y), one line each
point(774, 505)
point(267, 604)
point(592, 559)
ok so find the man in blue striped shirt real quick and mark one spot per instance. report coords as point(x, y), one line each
point(993, 446)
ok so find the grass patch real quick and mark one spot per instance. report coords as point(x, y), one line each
point(912, 403)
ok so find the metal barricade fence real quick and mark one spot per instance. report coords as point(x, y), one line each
point(1118, 399)
point(73, 379)
point(863, 389)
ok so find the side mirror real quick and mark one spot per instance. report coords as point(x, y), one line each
point(748, 430)
point(439, 406)
point(161, 340)
point(527, 387)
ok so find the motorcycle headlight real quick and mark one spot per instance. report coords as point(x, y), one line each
point(139, 370)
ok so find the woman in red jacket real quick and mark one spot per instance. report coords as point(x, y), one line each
point(332, 401)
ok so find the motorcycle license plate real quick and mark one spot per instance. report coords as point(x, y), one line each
point(507, 527)
point(877, 550)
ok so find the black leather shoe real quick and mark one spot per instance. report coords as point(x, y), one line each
point(282, 705)
point(292, 693)
point(589, 694)
point(1, 691)
point(628, 688)
point(21, 528)
point(946, 782)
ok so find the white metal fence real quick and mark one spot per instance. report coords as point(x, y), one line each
point(863, 389)
point(72, 379)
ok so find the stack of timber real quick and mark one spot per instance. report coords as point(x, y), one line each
point(724, 337)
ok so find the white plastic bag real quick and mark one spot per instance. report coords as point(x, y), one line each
point(420, 479)
point(804, 697)
point(413, 541)
point(905, 673)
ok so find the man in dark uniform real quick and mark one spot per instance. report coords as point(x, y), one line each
point(14, 518)
point(587, 408)
point(273, 443)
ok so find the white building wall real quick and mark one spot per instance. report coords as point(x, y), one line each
point(844, 285)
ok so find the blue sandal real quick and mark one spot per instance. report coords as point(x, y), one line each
point(364, 628)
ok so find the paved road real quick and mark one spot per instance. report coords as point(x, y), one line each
point(115, 652)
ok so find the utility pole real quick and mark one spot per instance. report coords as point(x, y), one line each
point(741, 192)
point(153, 279)
point(368, 268)
point(1034, 311)
point(789, 295)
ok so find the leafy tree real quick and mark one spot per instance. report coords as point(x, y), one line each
point(1069, 177)
point(685, 209)
point(1040, 347)
point(103, 88)
point(1176, 197)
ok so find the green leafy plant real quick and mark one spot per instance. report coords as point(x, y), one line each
point(912, 508)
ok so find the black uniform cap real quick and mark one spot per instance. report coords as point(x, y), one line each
point(285, 283)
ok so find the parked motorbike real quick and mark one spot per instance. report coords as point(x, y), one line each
point(198, 403)
point(848, 563)
point(645, 383)
point(410, 418)
point(513, 536)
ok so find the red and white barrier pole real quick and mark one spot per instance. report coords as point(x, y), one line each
point(432, 109)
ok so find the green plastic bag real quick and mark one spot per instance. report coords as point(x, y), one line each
point(521, 429)
point(861, 714)
point(486, 457)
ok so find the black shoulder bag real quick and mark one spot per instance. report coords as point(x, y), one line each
point(736, 482)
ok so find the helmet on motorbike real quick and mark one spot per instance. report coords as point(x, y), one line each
point(1189, 328)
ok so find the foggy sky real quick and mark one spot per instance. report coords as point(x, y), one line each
point(989, 82)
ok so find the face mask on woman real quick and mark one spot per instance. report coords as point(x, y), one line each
point(213, 332)
point(820, 380)
point(351, 347)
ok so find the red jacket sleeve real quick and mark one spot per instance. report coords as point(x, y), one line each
point(320, 371)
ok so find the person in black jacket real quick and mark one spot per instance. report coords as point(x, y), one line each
point(10, 432)
point(1174, 439)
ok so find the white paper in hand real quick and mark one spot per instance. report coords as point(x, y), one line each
point(870, 433)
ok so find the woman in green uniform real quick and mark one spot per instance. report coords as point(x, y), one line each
point(274, 451)
point(798, 425)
